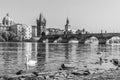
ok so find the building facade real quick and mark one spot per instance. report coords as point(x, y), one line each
point(34, 31)
point(22, 30)
point(28, 31)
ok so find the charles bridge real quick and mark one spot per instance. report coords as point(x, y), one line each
point(102, 37)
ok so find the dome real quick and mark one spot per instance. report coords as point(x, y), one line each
point(7, 20)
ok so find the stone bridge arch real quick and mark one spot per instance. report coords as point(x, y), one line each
point(100, 37)
point(105, 39)
point(113, 39)
point(91, 39)
point(73, 40)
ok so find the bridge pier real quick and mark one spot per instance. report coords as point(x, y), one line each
point(81, 42)
point(102, 40)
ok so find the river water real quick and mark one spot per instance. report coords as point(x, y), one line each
point(49, 57)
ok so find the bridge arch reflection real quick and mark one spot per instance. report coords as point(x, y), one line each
point(92, 40)
point(113, 40)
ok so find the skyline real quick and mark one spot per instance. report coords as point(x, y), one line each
point(93, 15)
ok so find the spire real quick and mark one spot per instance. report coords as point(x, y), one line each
point(40, 17)
point(39, 20)
point(7, 14)
point(67, 21)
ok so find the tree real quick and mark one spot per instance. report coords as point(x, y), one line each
point(2, 39)
point(17, 39)
point(5, 35)
point(11, 36)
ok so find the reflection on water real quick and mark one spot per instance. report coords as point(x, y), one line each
point(48, 57)
point(41, 57)
point(92, 40)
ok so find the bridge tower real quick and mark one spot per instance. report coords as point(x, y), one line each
point(66, 26)
point(41, 26)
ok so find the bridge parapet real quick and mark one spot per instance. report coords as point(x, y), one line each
point(102, 38)
point(82, 37)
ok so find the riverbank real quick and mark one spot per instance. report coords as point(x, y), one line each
point(110, 74)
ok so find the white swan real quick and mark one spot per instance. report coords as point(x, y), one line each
point(30, 62)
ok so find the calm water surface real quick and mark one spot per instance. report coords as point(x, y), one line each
point(49, 57)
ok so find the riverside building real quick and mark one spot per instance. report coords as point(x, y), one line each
point(22, 30)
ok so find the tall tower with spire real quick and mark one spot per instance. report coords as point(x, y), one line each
point(66, 26)
point(41, 25)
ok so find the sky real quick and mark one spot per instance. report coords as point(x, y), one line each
point(92, 15)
